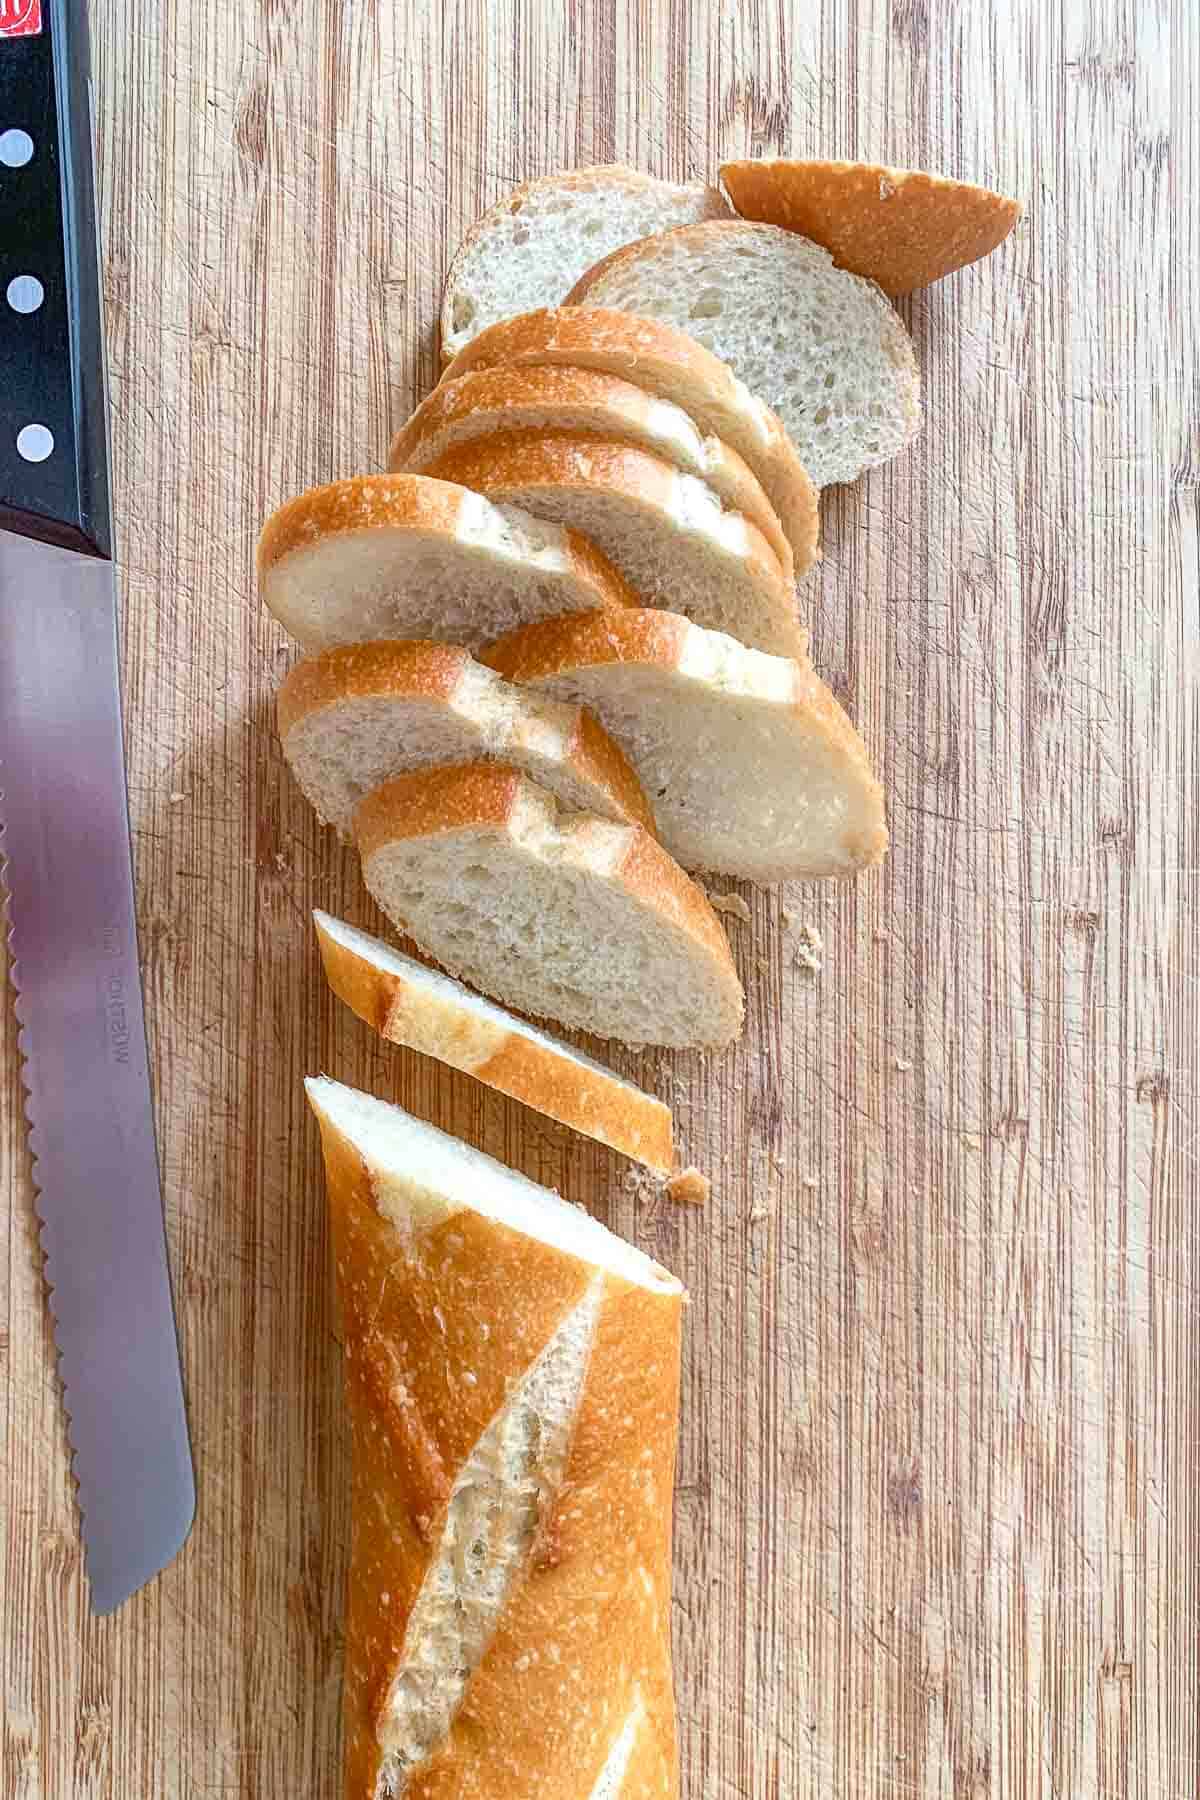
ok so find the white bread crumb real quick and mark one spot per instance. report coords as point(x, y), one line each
point(729, 903)
point(810, 949)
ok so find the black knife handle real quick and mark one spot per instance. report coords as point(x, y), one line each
point(53, 426)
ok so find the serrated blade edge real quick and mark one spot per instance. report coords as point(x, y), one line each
point(71, 941)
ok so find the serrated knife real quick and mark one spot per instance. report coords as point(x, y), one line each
point(65, 828)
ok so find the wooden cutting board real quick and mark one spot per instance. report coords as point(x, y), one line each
point(937, 1508)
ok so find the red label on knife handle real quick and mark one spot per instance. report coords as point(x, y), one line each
point(20, 18)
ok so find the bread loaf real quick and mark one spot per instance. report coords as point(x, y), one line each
point(512, 1378)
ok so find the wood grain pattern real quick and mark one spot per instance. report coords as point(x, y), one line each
point(938, 1500)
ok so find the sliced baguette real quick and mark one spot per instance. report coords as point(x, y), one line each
point(901, 228)
point(427, 1011)
point(528, 249)
point(358, 714)
point(560, 914)
point(752, 767)
point(584, 401)
point(666, 532)
point(674, 367)
point(404, 556)
point(511, 1374)
point(823, 347)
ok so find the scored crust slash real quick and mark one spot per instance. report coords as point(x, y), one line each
point(20, 18)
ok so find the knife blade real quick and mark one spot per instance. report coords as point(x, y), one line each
point(64, 830)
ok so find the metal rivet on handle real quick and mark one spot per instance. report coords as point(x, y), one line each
point(25, 293)
point(16, 148)
point(35, 442)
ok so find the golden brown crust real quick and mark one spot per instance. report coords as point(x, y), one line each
point(362, 503)
point(486, 795)
point(516, 463)
point(589, 564)
point(638, 1126)
point(668, 363)
point(518, 399)
point(415, 669)
point(540, 1075)
point(902, 228)
point(610, 1576)
point(371, 992)
point(407, 502)
point(600, 761)
point(399, 668)
point(652, 1766)
point(513, 459)
point(534, 652)
point(449, 798)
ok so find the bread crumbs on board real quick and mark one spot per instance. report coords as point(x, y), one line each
point(729, 903)
point(689, 1188)
point(810, 949)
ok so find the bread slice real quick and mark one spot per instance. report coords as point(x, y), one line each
point(578, 401)
point(358, 714)
point(666, 532)
point(671, 366)
point(430, 1012)
point(403, 556)
point(899, 227)
point(528, 249)
point(753, 768)
point(511, 1374)
point(823, 347)
point(560, 914)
